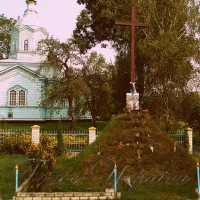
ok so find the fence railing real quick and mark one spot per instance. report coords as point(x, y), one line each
point(196, 148)
point(179, 137)
point(14, 135)
point(15, 131)
point(73, 141)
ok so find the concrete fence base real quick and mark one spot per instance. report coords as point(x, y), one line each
point(108, 194)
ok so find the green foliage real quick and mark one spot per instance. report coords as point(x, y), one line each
point(66, 82)
point(15, 143)
point(175, 192)
point(142, 192)
point(122, 130)
point(120, 81)
point(43, 150)
point(43, 155)
point(6, 24)
point(7, 173)
point(192, 110)
point(45, 126)
point(196, 138)
point(162, 51)
point(60, 143)
point(97, 76)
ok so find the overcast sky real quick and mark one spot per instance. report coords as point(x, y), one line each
point(58, 16)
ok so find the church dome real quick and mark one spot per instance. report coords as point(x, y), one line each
point(26, 34)
point(30, 17)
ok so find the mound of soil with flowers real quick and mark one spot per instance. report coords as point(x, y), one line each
point(135, 144)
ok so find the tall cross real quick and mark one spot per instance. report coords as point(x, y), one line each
point(132, 24)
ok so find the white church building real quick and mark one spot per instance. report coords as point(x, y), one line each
point(20, 82)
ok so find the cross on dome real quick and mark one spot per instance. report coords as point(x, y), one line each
point(30, 17)
point(30, 6)
point(31, 1)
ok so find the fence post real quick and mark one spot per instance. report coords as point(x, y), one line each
point(35, 134)
point(92, 134)
point(115, 180)
point(16, 178)
point(198, 180)
point(189, 133)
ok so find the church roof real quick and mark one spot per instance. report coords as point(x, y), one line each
point(30, 17)
point(21, 68)
point(19, 61)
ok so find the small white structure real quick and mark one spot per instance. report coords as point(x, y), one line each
point(189, 132)
point(92, 134)
point(132, 101)
point(35, 135)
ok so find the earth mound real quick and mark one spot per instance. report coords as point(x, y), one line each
point(136, 146)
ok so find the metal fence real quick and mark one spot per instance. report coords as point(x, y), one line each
point(14, 135)
point(179, 137)
point(73, 141)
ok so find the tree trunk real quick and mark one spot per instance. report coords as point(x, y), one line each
point(94, 121)
point(72, 115)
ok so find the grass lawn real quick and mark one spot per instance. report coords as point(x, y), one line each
point(7, 174)
point(64, 165)
point(138, 192)
point(53, 125)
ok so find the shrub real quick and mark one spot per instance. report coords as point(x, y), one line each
point(42, 157)
point(15, 143)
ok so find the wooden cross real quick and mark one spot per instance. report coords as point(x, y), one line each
point(132, 24)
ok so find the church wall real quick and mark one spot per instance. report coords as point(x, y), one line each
point(56, 115)
point(14, 37)
point(32, 97)
point(37, 37)
point(23, 113)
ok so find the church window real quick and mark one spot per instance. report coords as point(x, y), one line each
point(15, 46)
point(12, 101)
point(17, 97)
point(63, 103)
point(21, 98)
point(25, 45)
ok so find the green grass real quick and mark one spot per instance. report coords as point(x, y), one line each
point(7, 174)
point(53, 125)
point(161, 192)
point(138, 192)
point(108, 145)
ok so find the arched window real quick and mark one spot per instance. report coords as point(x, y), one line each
point(63, 103)
point(25, 45)
point(21, 98)
point(14, 45)
point(17, 97)
point(12, 99)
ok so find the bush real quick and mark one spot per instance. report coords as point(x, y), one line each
point(15, 143)
point(42, 156)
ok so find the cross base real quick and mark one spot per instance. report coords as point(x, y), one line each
point(132, 101)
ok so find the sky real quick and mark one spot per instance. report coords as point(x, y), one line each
point(58, 17)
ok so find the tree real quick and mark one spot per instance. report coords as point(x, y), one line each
point(60, 142)
point(66, 82)
point(192, 110)
point(163, 51)
point(6, 24)
point(96, 74)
